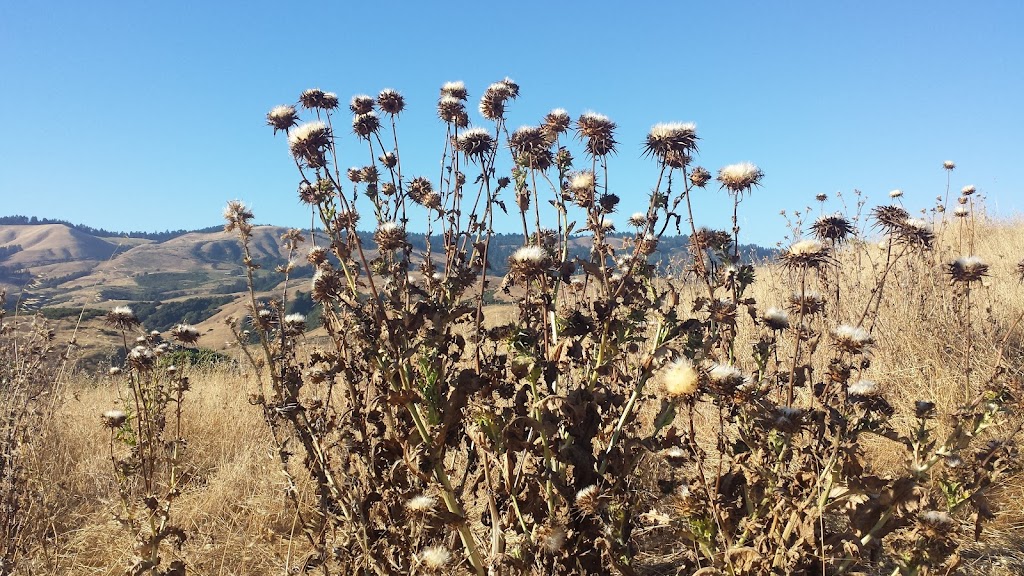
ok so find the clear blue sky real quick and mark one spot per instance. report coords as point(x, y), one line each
point(151, 115)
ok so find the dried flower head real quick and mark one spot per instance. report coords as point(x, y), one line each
point(852, 339)
point(821, 197)
point(114, 371)
point(834, 227)
point(681, 379)
point(775, 319)
point(364, 125)
point(637, 220)
point(967, 269)
point(808, 253)
point(916, 232)
point(185, 333)
point(647, 244)
point(418, 189)
point(936, 521)
point(700, 176)
point(862, 388)
point(725, 378)
point(740, 177)
point(421, 504)
point(317, 255)
point(475, 143)
point(968, 190)
point(891, 217)
point(455, 90)
point(450, 109)
point(808, 304)
point(549, 538)
point(949, 165)
point(530, 261)
point(391, 101)
point(435, 557)
point(557, 121)
point(531, 148)
point(122, 318)
point(588, 500)
point(309, 142)
point(312, 98)
point(895, 194)
point(295, 323)
point(708, 239)
point(142, 358)
point(961, 212)
point(492, 103)
point(361, 104)
point(583, 185)
point(329, 101)
point(389, 236)
point(673, 143)
point(326, 285)
point(282, 117)
point(598, 131)
point(114, 418)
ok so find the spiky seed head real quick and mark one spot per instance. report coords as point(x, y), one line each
point(421, 504)
point(312, 98)
point(681, 379)
point(295, 322)
point(821, 197)
point(895, 194)
point(852, 339)
point(637, 220)
point(968, 190)
point(834, 227)
point(329, 101)
point(388, 159)
point(725, 377)
point(326, 285)
point(582, 185)
point(346, 219)
point(557, 121)
point(775, 319)
point(916, 232)
point(122, 318)
point(599, 133)
point(740, 177)
point(114, 371)
point(450, 109)
point(607, 224)
point(388, 188)
point(967, 269)
point(364, 125)
point(418, 189)
point(391, 101)
point(185, 333)
point(700, 176)
point(317, 255)
point(114, 418)
point(531, 148)
point(530, 261)
point(456, 90)
point(475, 143)
point(807, 253)
point(808, 304)
point(355, 174)
point(389, 236)
point(142, 358)
point(369, 174)
point(588, 500)
point(961, 212)
point(511, 87)
point(647, 244)
point(672, 143)
point(949, 165)
point(891, 217)
point(787, 419)
point(361, 104)
point(435, 558)
point(282, 117)
point(549, 538)
point(308, 143)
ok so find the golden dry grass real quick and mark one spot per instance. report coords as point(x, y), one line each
point(236, 514)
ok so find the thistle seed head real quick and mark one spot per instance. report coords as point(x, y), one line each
point(599, 133)
point(949, 165)
point(475, 143)
point(309, 142)
point(862, 388)
point(312, 98)
point(968, 190)
point(435, 558)
point(895, 194)
point(114, 418)
point(389, 236)
point(361, 104)
point(122, 318)
point(530, 261)
point(456, 90)
point(700, 176)
point(282, 117)
point(185, 333)
point(549, 538)
point(556, 122)
point(834, 227)
point(808, 253)
point(672, 143)
point(364, 125)
point(967, 269)
point(680, 379)
point(740, 177)
point(852, 339)
point(391, 101)
point(775, 319)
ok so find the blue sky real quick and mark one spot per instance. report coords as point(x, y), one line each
point(151, 115)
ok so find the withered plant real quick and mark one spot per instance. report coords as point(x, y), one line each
point(617, 420)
